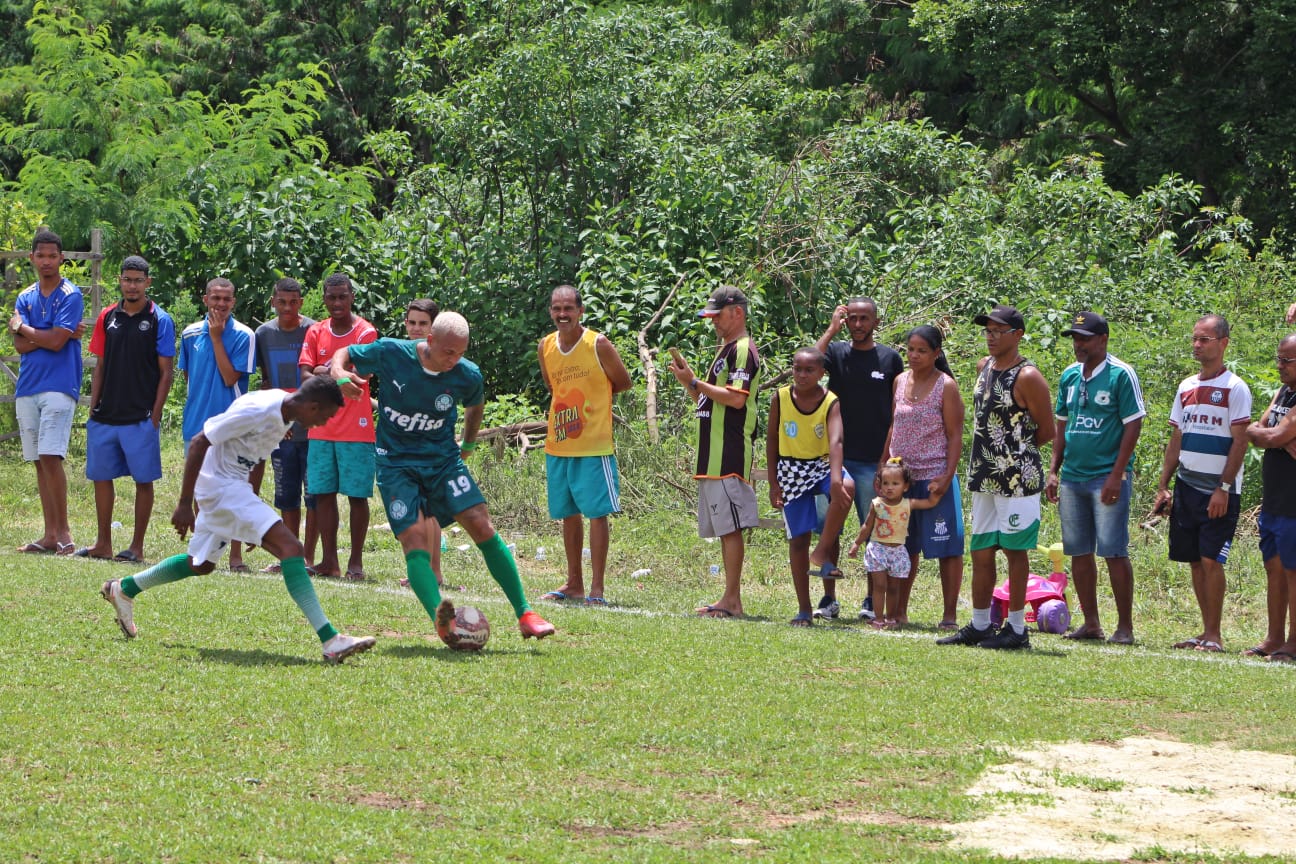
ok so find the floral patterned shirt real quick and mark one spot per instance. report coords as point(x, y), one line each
point(1005, 459)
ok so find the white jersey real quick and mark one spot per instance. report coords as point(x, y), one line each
point(245, 434)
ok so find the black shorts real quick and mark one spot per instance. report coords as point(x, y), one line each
point(1192, 535)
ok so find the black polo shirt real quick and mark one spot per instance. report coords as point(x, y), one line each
point(128, 347)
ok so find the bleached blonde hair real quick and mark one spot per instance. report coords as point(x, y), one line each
point(449, 324)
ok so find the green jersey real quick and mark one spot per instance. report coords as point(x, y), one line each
point(1095, 411)
point(417, 409)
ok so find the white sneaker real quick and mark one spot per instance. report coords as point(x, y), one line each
point(343, 646)
point(123, 605)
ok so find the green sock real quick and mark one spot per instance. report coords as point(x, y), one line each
point(171, 569)
point(423, 582)
point(503, 569)
point(303, 594)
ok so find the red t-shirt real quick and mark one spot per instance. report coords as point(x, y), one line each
point(355, 421)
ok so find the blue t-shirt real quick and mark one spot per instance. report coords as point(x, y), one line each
point(417, 409)
point(208, 394)
point(42, 370)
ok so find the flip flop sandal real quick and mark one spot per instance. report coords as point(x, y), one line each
point(555, 596)
point(802, 619)
point(1191, 642)
point(126, 556)
point(1257, 651)
point(715, 612)
point(1282, 657)
point(829, 570)
point(66, 549)
point(35, 548)
point(1210, 646)
point(595, 601)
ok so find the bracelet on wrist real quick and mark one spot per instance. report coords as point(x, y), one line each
point(694, 384)
point(345, 379)
point(468, 446)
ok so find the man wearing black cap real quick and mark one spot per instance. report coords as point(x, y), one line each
point(726, 429)
point(1010, 406)
point(1099, 414)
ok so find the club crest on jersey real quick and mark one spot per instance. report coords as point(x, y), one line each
point(443, 402)
point(399, 509)
point(1216, 397)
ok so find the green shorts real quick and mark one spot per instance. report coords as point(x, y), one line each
point(441, 490)
point(340, 467)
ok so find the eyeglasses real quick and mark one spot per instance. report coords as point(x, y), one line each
point(1205, 339)
point(1084, 392)
point(1283, 361)
point(134, 280)
point(995, 334)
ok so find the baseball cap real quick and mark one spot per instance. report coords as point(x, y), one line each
point(1087, 324)
point(722, 298)
point(1001, 314)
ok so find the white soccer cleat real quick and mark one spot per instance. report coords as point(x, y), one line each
point(124, 607)
point(343, 646)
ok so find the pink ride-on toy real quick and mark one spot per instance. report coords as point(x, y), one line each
point(1045, 597)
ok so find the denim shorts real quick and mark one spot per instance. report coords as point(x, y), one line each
point(289, 464)
point(862, 473)
point(1088, 525)
point(44, 424)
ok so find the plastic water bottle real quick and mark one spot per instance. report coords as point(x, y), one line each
point(715, 569)
point(115, 525)
point(540, 554)
point(585, 554)
point(639, 574)
point(445, 546)
point(512, 547)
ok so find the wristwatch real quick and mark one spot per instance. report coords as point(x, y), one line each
point(1226, 486)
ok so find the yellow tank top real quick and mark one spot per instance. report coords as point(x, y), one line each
point(803, 436)
point(580, 411)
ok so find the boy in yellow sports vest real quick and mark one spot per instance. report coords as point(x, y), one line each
point(803, 444)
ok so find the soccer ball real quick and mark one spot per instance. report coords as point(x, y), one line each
point(1053, 616)
point(463, 629)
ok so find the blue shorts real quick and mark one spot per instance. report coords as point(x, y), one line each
point(288, 461)
point(340, 467)
point(586, 486)
point(1088, 525)
point(1278, 537)
point(805, 513)
point(121, 451)
point(440, 492)
point(938, 532)
point(1194, 536)
point(862, 473)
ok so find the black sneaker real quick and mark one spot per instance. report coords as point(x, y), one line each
point(967, 635)
point(1007, 639)
point(866, 610)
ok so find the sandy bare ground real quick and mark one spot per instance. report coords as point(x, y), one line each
point(1105, 801)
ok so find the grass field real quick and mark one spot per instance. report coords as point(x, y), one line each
point(638, 733)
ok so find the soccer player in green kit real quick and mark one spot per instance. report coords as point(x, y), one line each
point(420, 466)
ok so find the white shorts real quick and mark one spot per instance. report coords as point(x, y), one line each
point(880, 558)
point(44, 424)
point(232, 512)
point(1007, 523)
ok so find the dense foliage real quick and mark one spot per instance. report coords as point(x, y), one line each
point(940, 156)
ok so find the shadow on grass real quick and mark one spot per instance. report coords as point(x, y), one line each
point(257, 657)
point(445, 655)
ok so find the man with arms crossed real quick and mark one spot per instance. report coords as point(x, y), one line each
point(46, 327)
point(1011, 413)
point(582, 370)
point(1099, 417)
point(1210, 415)
point(726, 430)
point(216, 480)
point(1275, 432)
point(420, 467)
point(135, 342)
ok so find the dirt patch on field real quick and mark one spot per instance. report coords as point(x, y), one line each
point(1107, 801)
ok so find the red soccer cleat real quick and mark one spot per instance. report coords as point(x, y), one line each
point(532, 624)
